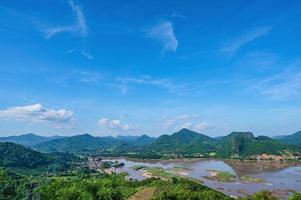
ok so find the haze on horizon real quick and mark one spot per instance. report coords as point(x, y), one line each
point(149, 67)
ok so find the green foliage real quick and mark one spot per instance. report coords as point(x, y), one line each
point(113, 187)
point(22, 160)
point(15, 155)
point(262, 195)
point(183, 189)
point(292, 139)
point(13, 187)
point(225, 176)
point(295, 196)
point(244, 144)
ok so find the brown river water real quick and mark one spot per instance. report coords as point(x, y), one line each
point(279, 177)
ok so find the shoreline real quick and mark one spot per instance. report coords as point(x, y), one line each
point(199, 159)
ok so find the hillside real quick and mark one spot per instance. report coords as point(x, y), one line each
point(244, 144)
point(184, 141)
point(20, 158)
point(16, 155)
point(292, 139)
point(28, 139)
point(88, 144)
point(78, 143)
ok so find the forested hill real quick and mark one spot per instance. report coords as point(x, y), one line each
point(87, 143)
point(184, 143)
point(292, 139)
point(244, 144)
point(15, 156)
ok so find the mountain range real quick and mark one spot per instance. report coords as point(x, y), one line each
point(28, 139)
point(291, 139)
point(184, 143)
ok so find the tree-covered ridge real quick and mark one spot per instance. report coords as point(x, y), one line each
point(19, 158)
point(15, 155)
point(184, 143)
point(244, 144)
point(87, 143)
point(292, 139)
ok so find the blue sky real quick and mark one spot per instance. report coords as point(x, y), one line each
point(149, 67)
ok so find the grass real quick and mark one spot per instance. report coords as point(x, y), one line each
point(145, 193)
point(225, 176)
point(159, 172)
point(137, 167)
point(221, 176)
point(251, 179)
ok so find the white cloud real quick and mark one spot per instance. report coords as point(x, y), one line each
point(79, 27)
point(186, 117)
point(38, 113)
point(191, 121)
point(164, 33)
point(234, 45)
point(202, 126)
point(115, 124)
point(188, 125)
point(196, 126)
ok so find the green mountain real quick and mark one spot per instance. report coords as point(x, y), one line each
point(78, 144)
point(244, 144)
point(144, 140)
point(28, 139)
point(17, 157)
point(292, 139)
point(88, 144)
point(184, 141)
point(136, 140)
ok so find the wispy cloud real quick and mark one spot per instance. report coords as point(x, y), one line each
point(282, 86)
point(233, 46)
point(80, 26)
point(115, 125)
point(37, 113)
point(192, 122)
point(86, 54)
point(164, 33)
point(146, 80)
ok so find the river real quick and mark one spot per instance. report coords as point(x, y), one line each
point(279, 177)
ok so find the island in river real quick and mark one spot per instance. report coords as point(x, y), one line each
point(232, 177)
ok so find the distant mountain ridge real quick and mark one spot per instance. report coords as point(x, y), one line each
point(29, 139)
point(294, 139)
point(89, 143)
point(184, 143)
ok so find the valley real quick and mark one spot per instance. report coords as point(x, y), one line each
point(238, 165)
